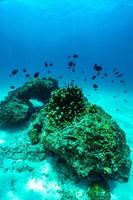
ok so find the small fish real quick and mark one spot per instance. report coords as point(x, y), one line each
point(117, 109)
point(122, 81)
point(14, 71)
point(12, 87)
point(125, 100)
point(116, 73)
point(112, 81)
point(49, 71)
point(120, 75)
point(51, 64)
point(105, 74)
point(72, 81)
point(27, 75)
point(36, 74)
point(24, 70)
point(93, 77)
point(125, 91)
point(75, 56)
point(43, 78)
point(73, 70)
point(45, 64)
point(95, 86)
point(114, 69)
point(97, 68)
point(70, 63)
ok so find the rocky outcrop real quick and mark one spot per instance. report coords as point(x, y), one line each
point(84, 135)
point(16, 107)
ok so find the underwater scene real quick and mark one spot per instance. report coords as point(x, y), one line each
point(66, 100)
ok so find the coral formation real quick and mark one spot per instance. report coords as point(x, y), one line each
point(92, 143)
point(99, 190)
point(85, 136)
point(16, 107)
point(64, 105)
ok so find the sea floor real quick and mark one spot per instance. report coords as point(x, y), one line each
point(30, 172)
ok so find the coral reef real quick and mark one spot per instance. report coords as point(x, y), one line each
point(64, 105)
point(16, 107)
point(86, 137)
point(99, 190)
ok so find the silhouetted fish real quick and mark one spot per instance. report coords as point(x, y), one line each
point(125, 91)
point(105, 74)
point(75, 56)
point(70, 63)
point(95, 86)
point(114, 69)
point(97, 68)
point(24, 70)
point(12, 87)
point(51, 64)
point(27, 75)
point(14, 71)
point(49, 71)
point(116, 73)
point(120, 75)
point(45, 64)
point(93, 77)
point(36, 74)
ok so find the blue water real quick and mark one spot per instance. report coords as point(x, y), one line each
point(35, 31)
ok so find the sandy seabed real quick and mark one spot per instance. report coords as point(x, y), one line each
point(27, 172)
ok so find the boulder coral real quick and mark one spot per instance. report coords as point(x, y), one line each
point(16, 107)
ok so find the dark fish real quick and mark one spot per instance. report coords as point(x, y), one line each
point(105, 74)
point(116, 73)
point(114, 69)
point(72, 81)
point(97, 68)
point(70, 63)
point(45, 64)
point(49, 71)
point(51, 64)
point(36, 74)
point(122, 81)
point(125, 91)
point(43, 78)
point(120, 75)
point(14, 71)
point(112, 81)
point(93, 77)
point(114, 96)
point(12, 87)
point(27, 75)
point(73, 70)
point(75, 56)
point(24, 70)
point(95, 86)
point(117, 109)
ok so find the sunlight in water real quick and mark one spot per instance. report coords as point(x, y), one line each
point(36, 185)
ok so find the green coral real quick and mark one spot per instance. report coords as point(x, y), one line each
point(64, 105)
point(99, 190)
